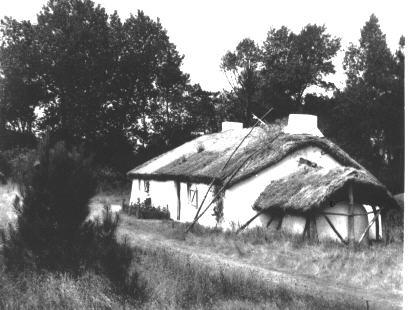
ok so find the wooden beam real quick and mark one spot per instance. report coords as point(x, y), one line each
point(280, 222)
point(350, 223)
point(377, 223)
point(346, 214)
point(270, 221)
point(335, 230)
point(313, 228)
point(368, 227)
point(248, 222)
point(198, 215)
point(307, 227)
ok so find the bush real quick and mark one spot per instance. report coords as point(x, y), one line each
point(52, 230)
point(56, 194)
point(147, 211)
point(16, 164)
point(109, 179)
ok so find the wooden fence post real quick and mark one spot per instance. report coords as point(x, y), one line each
point(350, 223)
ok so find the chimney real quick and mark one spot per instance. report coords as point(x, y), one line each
point(302, 124)
point(231, 125)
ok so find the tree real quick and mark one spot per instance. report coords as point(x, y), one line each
point(50, 229)
point(76, 63)
point(242, 65)
point(371, 107)
point(293, 62)
point(20, 89)
point(98, 78)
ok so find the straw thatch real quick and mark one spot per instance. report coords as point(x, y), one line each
point(203, 159)
point(314, 188)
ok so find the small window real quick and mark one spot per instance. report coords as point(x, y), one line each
point(192, 195)
point(146, 186)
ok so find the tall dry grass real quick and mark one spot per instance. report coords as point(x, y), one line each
point(378, 266)
point(31, 290)
point(177, 282)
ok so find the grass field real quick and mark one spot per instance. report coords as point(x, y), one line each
point(376, 267)
point(173, 273)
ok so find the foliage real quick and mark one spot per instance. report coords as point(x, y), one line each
point(243, 64)
point(53, 231)
point(147, 211)
point(20, 90)
point(371, 107)
point(47, 290)
point(98, 80)
point(56, 197)
point(293, 62)
point(278, 73)
point(18, 164)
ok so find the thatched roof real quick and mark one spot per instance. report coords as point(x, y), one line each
point(313, 188)
point(203, 159)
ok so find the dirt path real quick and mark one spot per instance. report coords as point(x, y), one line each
point(302, 284)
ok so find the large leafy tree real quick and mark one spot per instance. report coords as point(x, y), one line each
point(20, 89)
point(294, 62)
point(241, 68)
point(371, 107)
point(76, 63)
point(94, 77)
point(279, 73)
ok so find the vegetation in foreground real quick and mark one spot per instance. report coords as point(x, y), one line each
point(175, 282)
point(378, 266)
point(53, 235)
point(54, 290)
point(178, 282)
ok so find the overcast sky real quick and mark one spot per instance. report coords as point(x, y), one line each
point(204, 30)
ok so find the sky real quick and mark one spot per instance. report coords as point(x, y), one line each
point(204, 31)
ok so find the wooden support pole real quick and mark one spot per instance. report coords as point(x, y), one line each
point(313, 228)
point(248, 222)
point(306, 230)
point(280, 222)
point(198, 215)
point(368, 227)
point(350, 223)
point(377, 224)
point(335, 230)
point(270, 221)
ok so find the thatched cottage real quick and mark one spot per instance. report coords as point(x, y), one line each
point(286, 177)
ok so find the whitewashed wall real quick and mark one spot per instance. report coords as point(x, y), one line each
point(238, 200)
point(240, 197)
point(164, 194)
point(188, 210)
point(372, 230)
point(340, 222)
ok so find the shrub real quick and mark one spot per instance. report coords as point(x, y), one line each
point(147, 211)
point(4, 169)
point(16, 164)
point(56, 194)
point(52, 230)
point(109, 179)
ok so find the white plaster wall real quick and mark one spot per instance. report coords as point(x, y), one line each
point(372, 230)
point(164, 194)
point(188, 211)
point(240, 197)
point(137, 191)
point(340, 222)
point(293, 224)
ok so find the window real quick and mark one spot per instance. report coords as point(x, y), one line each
point(146, 186)
point(192, 195)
